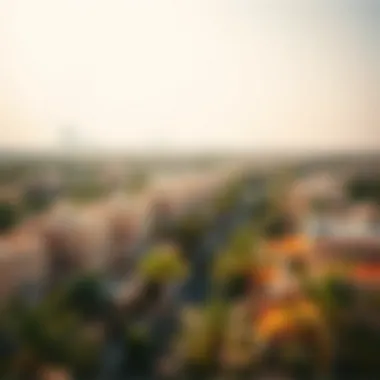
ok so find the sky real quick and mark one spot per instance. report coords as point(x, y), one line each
point(190, 75)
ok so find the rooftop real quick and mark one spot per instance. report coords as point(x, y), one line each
point(352, 248)
point(290, 245)
point(366, 274)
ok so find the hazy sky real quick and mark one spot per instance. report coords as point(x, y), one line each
point(190, 74)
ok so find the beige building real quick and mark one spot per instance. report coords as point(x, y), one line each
point(22, 259)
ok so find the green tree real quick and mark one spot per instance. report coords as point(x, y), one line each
point(163, 264)
point(364, 189)
point(190, 229)
point(87, 297)
point(200, 337)
point(55, 333)
point(234, 268)
point(337, 293)
point(8, 216)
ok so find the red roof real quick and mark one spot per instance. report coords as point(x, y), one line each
point(367, 273)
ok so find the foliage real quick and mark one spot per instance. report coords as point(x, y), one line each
point(359, 349)
point(242, 241)
point(8, 216)
point(87, 297)
point(364, 189)
point(335, 293)
point(138, 345)
point(85, 191)
point(200, 337)
point(229, 265)
point(163, 264)
point(138, 331)
point(8, 349)
point(49, 336)
point(57, 330)
point(190, 229)
point(238, 346)
point(239, 258)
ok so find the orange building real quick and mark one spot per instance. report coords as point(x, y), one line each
point(287, 252)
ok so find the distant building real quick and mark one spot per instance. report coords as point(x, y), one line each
point(59, 237)
point(316, 193)
point(350, 250)
point(22, 259)
point(354, 221)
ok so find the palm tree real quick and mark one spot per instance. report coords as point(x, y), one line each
point(234, 268)
point(231, 273)
point(161, 266)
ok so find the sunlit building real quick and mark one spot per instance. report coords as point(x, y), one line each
point(22, 260)
point(350, 253)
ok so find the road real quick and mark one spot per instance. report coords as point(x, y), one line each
point(196, 289)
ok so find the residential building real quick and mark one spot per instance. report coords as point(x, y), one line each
point(22, 259)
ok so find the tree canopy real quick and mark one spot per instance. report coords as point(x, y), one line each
point(364, 189)
point(8, 216)
point(163, 264)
